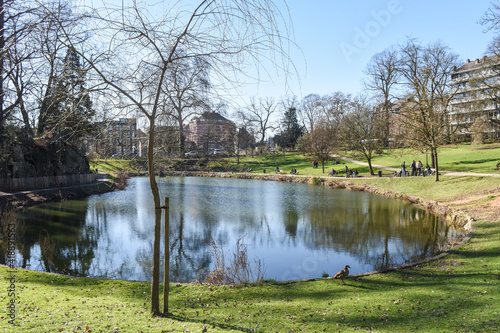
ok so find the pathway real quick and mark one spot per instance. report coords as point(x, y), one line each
point(443, 172)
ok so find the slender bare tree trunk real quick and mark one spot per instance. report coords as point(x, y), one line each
point(435, 159)
point(2, 46)
point(166, 261)
point(371, 167)
point(155, 283)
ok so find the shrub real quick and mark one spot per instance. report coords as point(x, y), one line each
point(316, 181)
point(202, 162)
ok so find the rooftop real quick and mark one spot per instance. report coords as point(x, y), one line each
point(212, 116)
point(478, 63)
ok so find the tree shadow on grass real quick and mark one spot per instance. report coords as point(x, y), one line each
point(485, 160)
point(205, 323)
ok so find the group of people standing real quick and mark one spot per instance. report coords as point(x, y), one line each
point(416, 169)
point(351, 173)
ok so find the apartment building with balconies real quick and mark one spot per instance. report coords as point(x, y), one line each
point(476, 93)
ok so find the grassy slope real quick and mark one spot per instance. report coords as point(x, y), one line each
point(457, 294)
point(448, 187)
point(479, 159)
point(112, 165)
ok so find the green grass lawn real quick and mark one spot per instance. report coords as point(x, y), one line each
point(292, 160)
point(480, 159)
point(113, 165)
point(449, 187)
point(466, 158)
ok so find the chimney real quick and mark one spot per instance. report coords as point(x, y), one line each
point(468, 60)
point(454, 68)
point(477, 61)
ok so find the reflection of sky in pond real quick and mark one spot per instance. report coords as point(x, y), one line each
point(297, 231)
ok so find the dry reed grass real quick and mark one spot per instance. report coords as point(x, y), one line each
point(238, 271)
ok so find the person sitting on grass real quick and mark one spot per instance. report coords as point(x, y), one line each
point(332, 173)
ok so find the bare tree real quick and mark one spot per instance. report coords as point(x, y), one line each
point(383, 75)
point(360, 131)
point(142, 46)
point(185, 91)
point(245, 133)
point(259, 116)
point(491, 20)
point(309, 110)
point(480, 129)
point(333, 106)
point(320, 144)
point(426, 71)
point(18, 22)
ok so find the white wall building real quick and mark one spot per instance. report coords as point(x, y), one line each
point(476, 85)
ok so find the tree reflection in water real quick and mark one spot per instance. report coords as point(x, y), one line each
point(297, 230)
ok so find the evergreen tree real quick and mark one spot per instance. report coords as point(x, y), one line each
point(290, 129)
point(67, 110)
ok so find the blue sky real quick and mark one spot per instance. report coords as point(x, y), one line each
point(338, 38)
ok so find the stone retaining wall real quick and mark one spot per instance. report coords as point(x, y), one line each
point(36, 183)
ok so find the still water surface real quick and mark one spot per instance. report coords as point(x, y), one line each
point(297, 231)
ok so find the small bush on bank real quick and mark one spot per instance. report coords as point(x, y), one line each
point(316, 181)
point(202, 162)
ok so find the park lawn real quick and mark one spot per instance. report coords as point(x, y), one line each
point(464, 157)
point(293, 160)
point(459, 293)
point(112, 165)
point(449, 187)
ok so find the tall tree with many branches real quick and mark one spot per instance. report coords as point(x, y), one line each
point(138, 47)
point(259, 116)
point(186, 90)
point(383, 76)
point(361, 127)
point(426, 72)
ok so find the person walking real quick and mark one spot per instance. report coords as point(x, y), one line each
point(419, 168)
point(403, 169)
point(413, 167)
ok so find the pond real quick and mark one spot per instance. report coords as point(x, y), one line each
point(295, 231)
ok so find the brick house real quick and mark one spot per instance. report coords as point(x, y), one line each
point(210, 132)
